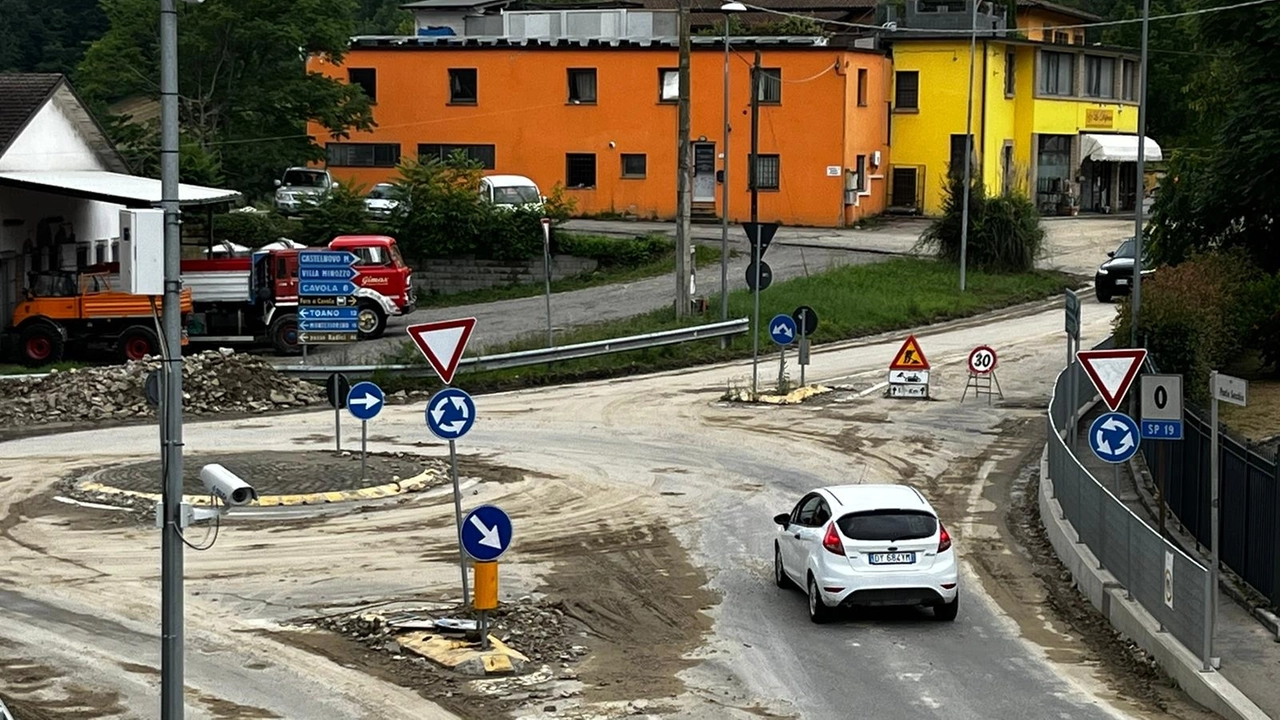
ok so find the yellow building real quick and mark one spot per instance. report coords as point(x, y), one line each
point(1055, 120)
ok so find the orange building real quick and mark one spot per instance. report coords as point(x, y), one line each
point(600, 118)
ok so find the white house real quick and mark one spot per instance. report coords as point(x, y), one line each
point(62, 184)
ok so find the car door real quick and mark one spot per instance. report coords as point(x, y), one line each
point(796, 551)
point(810, 540)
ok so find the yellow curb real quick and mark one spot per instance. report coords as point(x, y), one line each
point(452, 653)
point(412, 484)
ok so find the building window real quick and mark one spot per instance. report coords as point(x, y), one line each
point(463, 86)
point(634, 165)
point(904, 192)
point(959, 145)
point(770, 86)
point(768, 172)
point(367, 79)
point(1079, 38)
point(1129, 80)
point(1057, 73)
point(862, 87)
point(906, 90)
point(1099, 77)
point(1010, 80)
point(861, 166)
point(1061, 38)
point(580, 168)
point(363, 154)
point(483, 154)
point(668, 85)
point(582, 91)
point(1053, 170)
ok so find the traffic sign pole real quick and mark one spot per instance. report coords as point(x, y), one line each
point(1214, 491)
point(457, 513)
point(364, 446)
point(755, 326)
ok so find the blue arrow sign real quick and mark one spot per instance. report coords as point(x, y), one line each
point(1114, 437)
point(328, 326)
point(328, 313)
point(365, 400)
point(782, 328)
point(325, 258)
point(327, 273)
point(486, 533)
point(1162, 429)
point(325, 287)
point(450, 414)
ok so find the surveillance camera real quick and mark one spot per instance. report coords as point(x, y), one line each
point(227, 485)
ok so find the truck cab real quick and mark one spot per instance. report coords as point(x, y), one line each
point(382, 269)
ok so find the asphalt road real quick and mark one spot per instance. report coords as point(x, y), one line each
point(602, 459)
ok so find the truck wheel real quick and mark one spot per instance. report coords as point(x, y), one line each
point(284, 335)
point(40, 344)
point(371, 321)
point(138, 342)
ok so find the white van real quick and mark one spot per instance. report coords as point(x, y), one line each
point(511, 191)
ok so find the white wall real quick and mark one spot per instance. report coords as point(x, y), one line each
point(92, 221)
point(454, 19)
point(50, 142)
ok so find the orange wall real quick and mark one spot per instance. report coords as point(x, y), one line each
point(522, 110)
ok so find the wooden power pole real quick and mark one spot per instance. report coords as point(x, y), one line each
point(684, 180)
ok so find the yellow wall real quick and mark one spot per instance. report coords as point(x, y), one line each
point(1067, 116)
point(1032, 21)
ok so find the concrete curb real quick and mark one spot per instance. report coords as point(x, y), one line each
point(1232, 584)
point(1210, 689)
point(399, 487)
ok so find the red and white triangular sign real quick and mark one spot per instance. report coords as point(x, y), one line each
point(442, 343)
point(1112, 371)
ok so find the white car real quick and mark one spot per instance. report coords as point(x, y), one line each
point(862, 545)
point(381, 201)
point(511, 191)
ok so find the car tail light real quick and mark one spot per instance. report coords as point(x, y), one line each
point(831, 541)
point(944, 539)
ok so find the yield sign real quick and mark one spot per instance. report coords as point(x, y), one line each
point(442, 343)
point(1112, 371)
point(766, 232)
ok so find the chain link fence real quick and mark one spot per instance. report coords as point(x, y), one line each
point(1170, 585)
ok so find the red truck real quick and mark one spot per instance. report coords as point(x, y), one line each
point(254, 299)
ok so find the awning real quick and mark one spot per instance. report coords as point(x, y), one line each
point(1117, 148)
point(129, 190)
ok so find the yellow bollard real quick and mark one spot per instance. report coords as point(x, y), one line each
point(485, 596)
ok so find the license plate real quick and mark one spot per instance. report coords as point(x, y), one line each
point(893, 558)
point(1122, 281)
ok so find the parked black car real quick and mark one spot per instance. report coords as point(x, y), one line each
point(1115, 276)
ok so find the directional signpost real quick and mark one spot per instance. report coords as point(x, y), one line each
point(1234, 390)
point(485, 536)
point(336, 388)
point(327, 311)
point(759, 277)
point(909, 371)
point(782, 329)
point(364, 401)
point(806, 324)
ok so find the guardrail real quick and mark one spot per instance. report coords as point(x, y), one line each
point(1172, 586)
point(538, 356)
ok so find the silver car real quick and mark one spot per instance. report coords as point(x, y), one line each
point(301, 185)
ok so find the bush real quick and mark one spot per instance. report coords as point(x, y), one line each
point(252, 229)
point(1004, 231)
point(615, 252)
point(1195, 317)
point(340, 212)
point(1262, 298)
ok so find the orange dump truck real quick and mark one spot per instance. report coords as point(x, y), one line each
point(65, 309)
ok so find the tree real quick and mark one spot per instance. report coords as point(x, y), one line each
point(47, 35)
point(245, 94)
point(1004, 230)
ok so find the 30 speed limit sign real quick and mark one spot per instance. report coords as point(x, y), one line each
point(982, 360)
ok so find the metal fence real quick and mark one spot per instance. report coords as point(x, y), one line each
point(1126, 546)
point(1250, 504)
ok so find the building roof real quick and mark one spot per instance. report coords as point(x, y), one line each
point(24, 94)
point(128, 190)
point(409, 42)
point(451, 4)
point(1060, 9)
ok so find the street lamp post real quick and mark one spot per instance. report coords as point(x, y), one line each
point(728, 9)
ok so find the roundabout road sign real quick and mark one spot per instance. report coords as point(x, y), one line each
point(982, 360)
point(450, 414)
point(1114, 437)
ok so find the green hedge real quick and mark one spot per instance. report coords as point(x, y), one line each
point(615, 252)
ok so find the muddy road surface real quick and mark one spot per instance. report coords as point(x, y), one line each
point(641, 510)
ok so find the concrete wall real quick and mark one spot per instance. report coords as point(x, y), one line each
point(446, 276)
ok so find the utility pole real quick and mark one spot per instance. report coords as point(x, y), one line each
point(968, 151)
point(1139, 189)
point(684, 196)
point(753, 174)
point(171, 601)
point(724, 187)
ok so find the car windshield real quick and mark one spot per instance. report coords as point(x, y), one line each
point(381, 192)
point(515, 195)
point(303, 178)
point(888, 525)
point(1126, 249)
point(395, 256)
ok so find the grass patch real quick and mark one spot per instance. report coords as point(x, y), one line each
point(851, 301)
point(619, 263)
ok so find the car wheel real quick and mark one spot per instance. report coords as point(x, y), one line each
point(818, 610)
point(283, 334)
point(779, 573)
point(138, 342)
point(947, 612)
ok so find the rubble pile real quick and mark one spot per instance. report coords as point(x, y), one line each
point(213, 381)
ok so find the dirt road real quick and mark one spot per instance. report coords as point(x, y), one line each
point(641, 507)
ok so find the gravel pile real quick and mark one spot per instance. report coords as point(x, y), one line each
point(213, 381)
